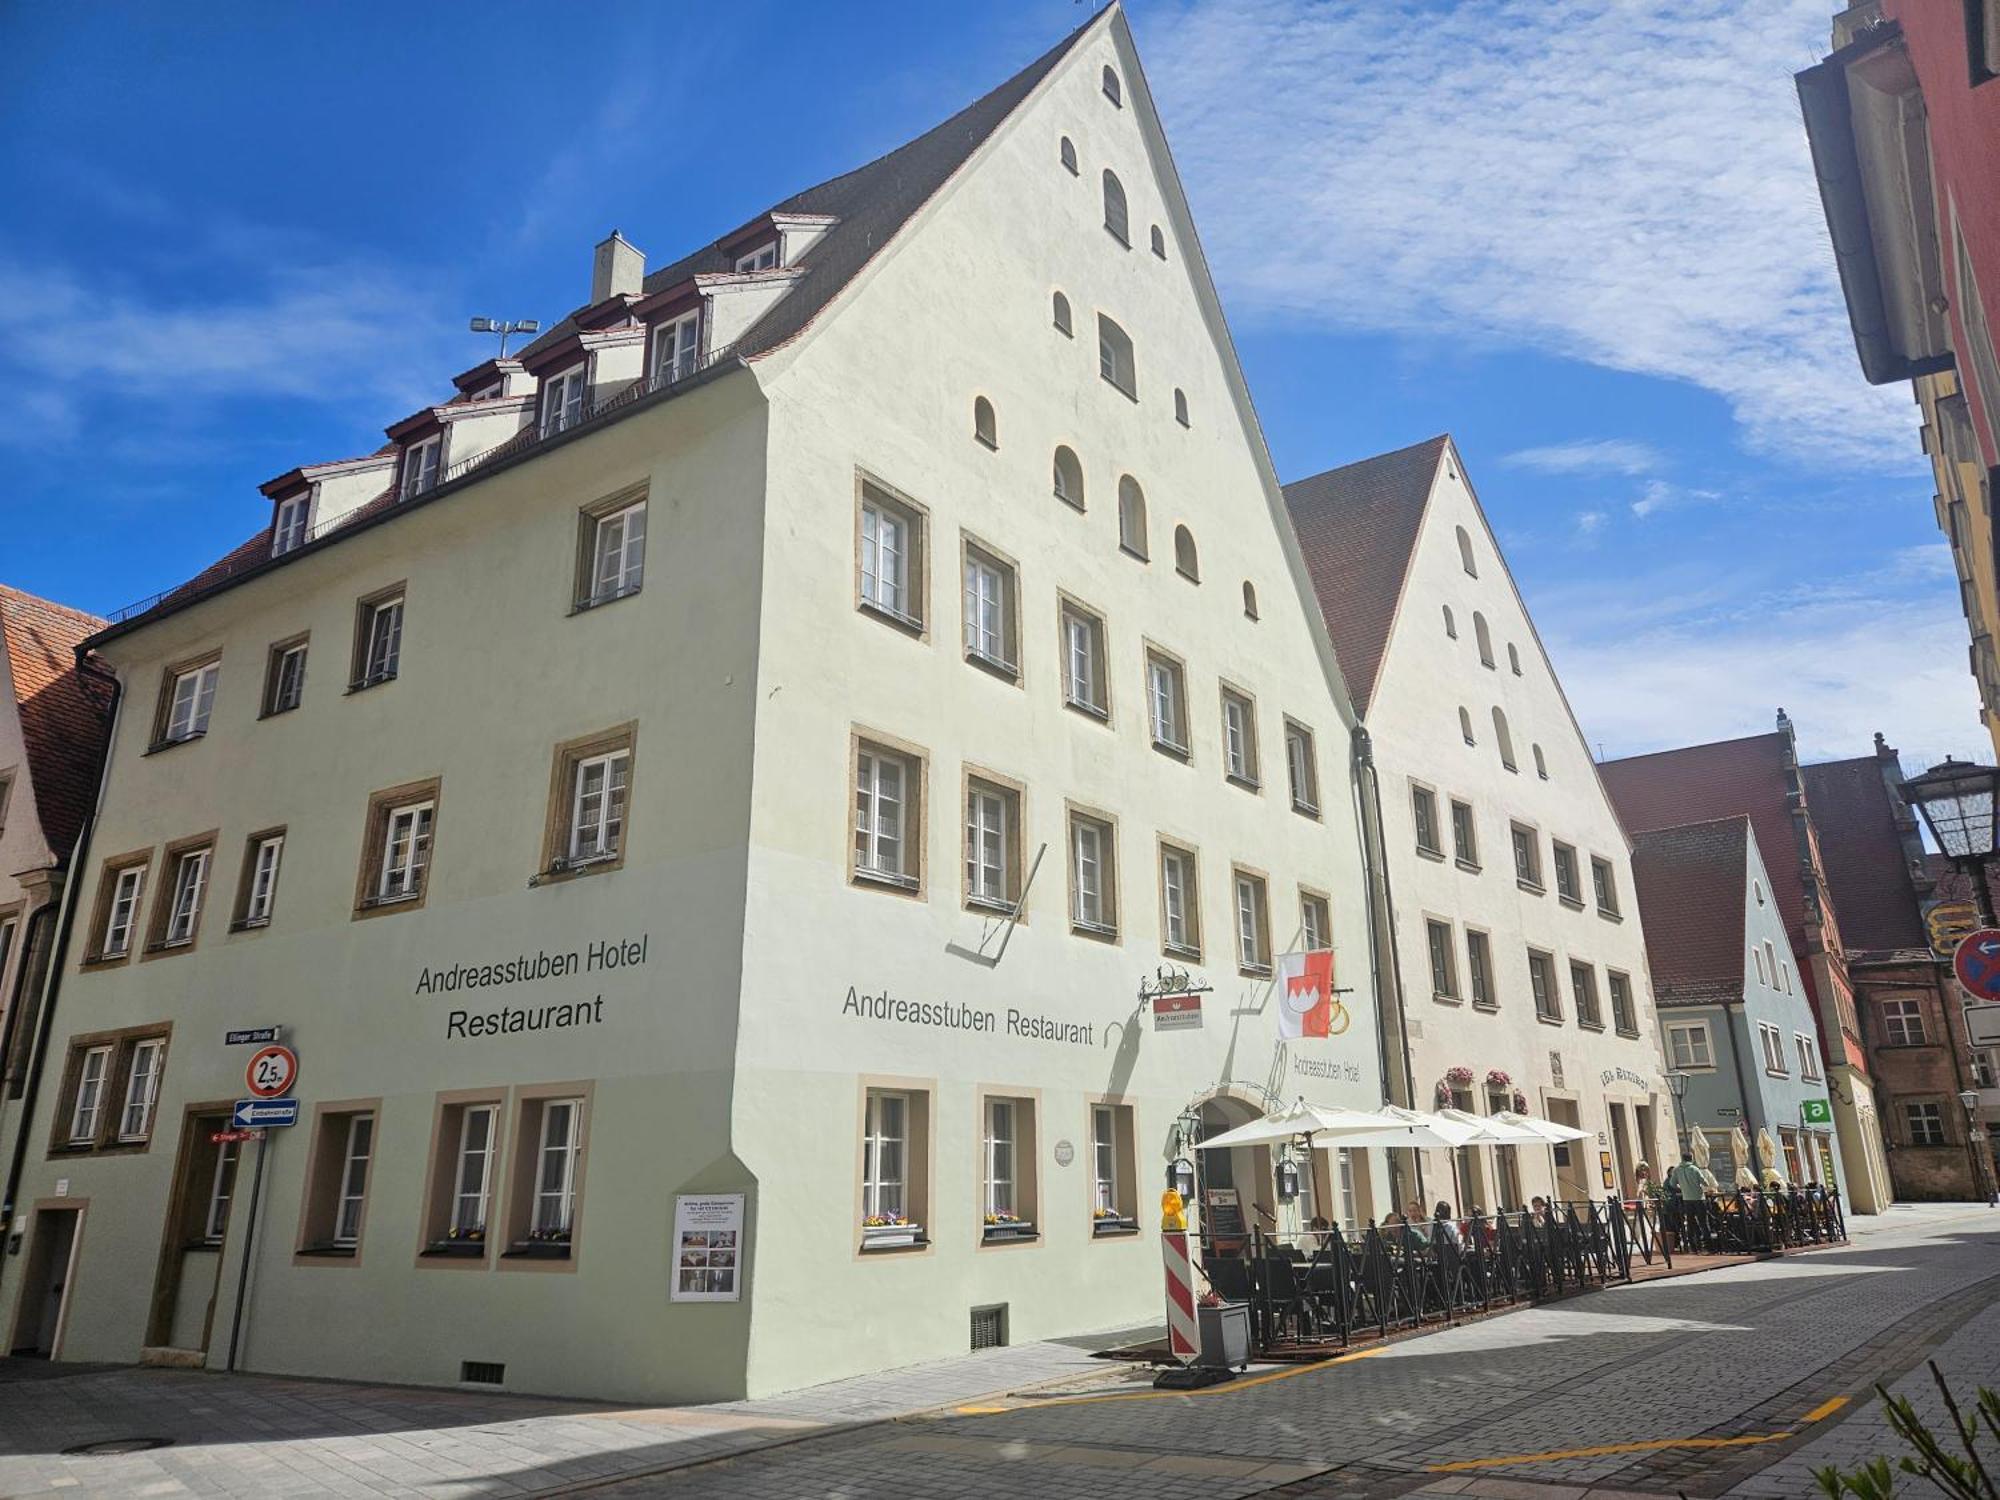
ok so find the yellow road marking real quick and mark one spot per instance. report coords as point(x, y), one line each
point(1824, 1409)
point(979, 1411)
point(1604, 1450)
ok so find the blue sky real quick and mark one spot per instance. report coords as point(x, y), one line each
point(1581, 236)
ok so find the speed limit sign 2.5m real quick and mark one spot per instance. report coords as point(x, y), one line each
point(272, 1072)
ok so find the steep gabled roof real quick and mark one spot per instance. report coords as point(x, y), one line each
point(1357, 528)
point(65, 713)
point(1693, 883)
point(1867, 869)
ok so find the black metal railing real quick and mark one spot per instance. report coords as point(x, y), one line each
point(1328, 1286)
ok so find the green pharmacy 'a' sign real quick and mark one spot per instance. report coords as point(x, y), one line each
point(1816, 1112)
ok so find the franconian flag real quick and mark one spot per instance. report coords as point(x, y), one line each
point(1305, 993)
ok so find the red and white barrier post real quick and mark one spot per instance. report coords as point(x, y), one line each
point(1183, 1331)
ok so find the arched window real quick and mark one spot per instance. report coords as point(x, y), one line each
point(1465, 553)
point(1465, 726)
point(1485, 638)
point(1541, 766)
point(1131, 516)
point(983, 426)
point(1450, 625)
point(1059, 310)
point(1112, 90)
point(1069, 155)
point(1506, 740)
point(1757, 890)
point(1159, 243)
point(1514, 657)
point(1180, 406)
point(1185, 562)
point(1115, 359)
point(1069, 478)
point(1116, 217)
point(1249, 599)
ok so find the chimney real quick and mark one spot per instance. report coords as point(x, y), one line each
point(617, 269)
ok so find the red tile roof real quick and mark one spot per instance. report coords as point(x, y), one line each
point(1357, 527)
point(65, 713)
point(1867, 869)
point(1693, 882)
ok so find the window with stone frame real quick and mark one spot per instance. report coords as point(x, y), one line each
point(1903, 1023)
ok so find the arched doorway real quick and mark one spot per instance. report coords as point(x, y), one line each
point(1235, 1189)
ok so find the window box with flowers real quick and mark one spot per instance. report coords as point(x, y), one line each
point(1454, 1079)
point(1108, 1221)
point(1001, 1227)
point(541, 1244)
point(891, 1232)
point(465, 1244)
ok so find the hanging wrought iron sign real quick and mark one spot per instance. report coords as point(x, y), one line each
point(1175, 999)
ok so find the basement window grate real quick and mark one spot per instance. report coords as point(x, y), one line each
point(989, 1327)
point(482, 1372)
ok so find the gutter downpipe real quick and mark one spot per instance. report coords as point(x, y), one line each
point(1381, 907)
point(1750, 1118)
point(52, 981)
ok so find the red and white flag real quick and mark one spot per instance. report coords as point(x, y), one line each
point(1305, 994)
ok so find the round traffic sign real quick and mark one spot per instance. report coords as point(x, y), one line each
point(1977, 963)
point(272, 1072)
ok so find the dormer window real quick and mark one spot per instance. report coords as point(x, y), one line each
point(676, 349)
point(288, 528)
point(420, 466)
point(562, 401)
point(763, 258)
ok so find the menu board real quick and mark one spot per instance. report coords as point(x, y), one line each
point(708, 1248)
point(1222, 1214)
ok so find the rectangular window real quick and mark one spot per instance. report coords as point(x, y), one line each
point(885, 1156)
point(1000, 1145)
point(1104, 1174)
point(463, 1184)
point(1926, 1123)
point(1315, 922)
point(87, 1098)
point(1093, 885)
point(120, 909)
point(1180, 902)
point(562, 401)
point(9, 925)
point(221, 1188)
point(1605, 880)
point(339, 1163)
point(187, 877)
point(1542, 980)
point(891, 563)
point(420, 466)
point(472, 1173)
point(1424, 813)
point(186, 703)
point(992, 638)
point(354, 1159)
point(142, 1089)
point(1689, 1045)
point(763, 258)
point(1302, 767)
point(288, 527)
point(258, 886)
point(677, 349)
point(597, 807)
point(378, 640)
point(1567, 888)
point(1085, 686)
point(1527, 858)
point(1773, 1042)
point(285, 676)
point(1444, 967)
point(992, 845)
point(614, 553)
point(1464, 835)
point(406, 846)
point(1809, 1060)
point(1166, 703)
point(1253, 924)
point(1623, 1016)
point(555, 1169)
point(888, 842)
point(1479, 969)
point(545, 1175)
point(1239, 738)
point(1583, 991)
point(1902, 1023)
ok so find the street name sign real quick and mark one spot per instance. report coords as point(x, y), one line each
point(222, 1137)
point(263, 1114)
point(252, 1034)
point(272, 1071)
point(1977, 963)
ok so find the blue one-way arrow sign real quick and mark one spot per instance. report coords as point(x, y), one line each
point(260, 1114)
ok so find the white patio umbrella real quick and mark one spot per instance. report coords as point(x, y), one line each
point(1540, 1129)
point(1331, 1120)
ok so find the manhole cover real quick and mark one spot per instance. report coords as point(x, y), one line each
point(119, 1445)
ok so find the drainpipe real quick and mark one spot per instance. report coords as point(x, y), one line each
point(1743, 1093)
point(1381, 908)
point(52, 980)
point(33, 962)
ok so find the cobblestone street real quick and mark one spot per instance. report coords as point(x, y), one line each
point(1730, 1382)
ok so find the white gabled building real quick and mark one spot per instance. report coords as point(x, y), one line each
point(1517, 936)
point(621, 787)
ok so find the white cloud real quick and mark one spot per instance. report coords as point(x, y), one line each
point(1588, 456)
point(1624, 185)
point(1588, 521)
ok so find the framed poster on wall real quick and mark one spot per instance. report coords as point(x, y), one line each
point(708, 1247)
point(1610, 1175)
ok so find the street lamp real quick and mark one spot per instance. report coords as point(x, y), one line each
point(1677, 1085)
point(1970, 1099)
point(1957, 800)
